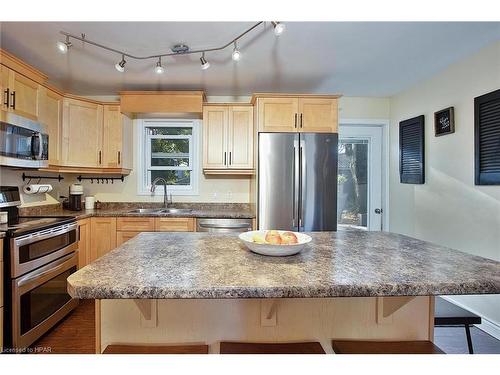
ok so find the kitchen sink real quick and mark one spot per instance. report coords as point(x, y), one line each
point(146, 210)
point(176, 210)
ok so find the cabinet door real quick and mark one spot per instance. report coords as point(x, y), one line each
point(318, 115)
point(84, 256)
point(174, 224)
point(23, 96)
point(122, 237)
point(50, 114)
point(4, 94)
point(215, 124)
point(82, 133)
point(277, 114)
point(240, 140)
point(135, 224)
point(103, 237)
point(112, 136)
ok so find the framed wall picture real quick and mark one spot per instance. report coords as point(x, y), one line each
point(444, 122)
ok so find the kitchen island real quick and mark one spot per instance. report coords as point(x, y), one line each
point(198, 287)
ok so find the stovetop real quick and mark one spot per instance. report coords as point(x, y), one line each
point(26, 225)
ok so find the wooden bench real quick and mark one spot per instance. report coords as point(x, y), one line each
point(384, 347)
point(156, 349)
point(447, 314)
point(227, 347)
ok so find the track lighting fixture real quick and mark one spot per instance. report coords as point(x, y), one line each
point(236, 53)
point(121, 65)
point(279, 27)
point(158, 68)
point(64, 46)
point(176, 50)
point(204, 63)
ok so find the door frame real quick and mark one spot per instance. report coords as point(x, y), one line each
point(384, 125)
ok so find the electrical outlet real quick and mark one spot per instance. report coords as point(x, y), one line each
point(229, 195)
point(215, 195)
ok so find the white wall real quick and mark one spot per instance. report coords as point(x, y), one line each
point(449, 209)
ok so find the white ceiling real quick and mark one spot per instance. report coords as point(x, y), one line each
point(351, 58)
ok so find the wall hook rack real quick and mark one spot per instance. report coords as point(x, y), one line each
point(101, 180)
point(39, 178)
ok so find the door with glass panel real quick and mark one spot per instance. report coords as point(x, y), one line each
point(359, 181)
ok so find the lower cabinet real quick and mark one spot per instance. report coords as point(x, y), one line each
point(84, 243)
point(103, 236)
point(174, 224)
point(122, 237)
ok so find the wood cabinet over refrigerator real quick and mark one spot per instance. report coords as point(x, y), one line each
point(228, 139)
point(290, 113)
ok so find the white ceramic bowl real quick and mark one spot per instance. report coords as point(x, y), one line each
point(274, 250)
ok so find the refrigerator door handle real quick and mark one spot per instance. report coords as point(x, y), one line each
point(302, 161)
point(295, 177)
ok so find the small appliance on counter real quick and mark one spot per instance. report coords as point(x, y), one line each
point(74, 202)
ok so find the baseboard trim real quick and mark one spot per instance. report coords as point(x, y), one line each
point(488, 326)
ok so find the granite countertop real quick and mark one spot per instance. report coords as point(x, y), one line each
point(334, 264)
point(117, 209)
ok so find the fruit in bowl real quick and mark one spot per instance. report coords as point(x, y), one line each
point(274, 237)
point(275, 242)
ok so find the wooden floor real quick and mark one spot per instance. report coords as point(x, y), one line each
point(74, 335)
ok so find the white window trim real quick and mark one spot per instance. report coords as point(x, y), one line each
point(142, 164)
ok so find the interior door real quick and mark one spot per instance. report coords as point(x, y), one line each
point(360, 177)
point(278, 173)
point(318, 186)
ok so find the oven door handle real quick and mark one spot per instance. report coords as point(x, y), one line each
point(42, 235)
point(61, 264)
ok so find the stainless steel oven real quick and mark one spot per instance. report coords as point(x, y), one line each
point(40, 299)
point(33, 250)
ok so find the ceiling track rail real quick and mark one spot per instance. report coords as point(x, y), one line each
point(84, 39)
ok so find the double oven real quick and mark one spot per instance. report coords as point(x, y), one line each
point(41, 253)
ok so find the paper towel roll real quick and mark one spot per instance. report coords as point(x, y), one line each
point(37, 189)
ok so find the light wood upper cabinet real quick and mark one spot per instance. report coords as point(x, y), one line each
point(84, 245)
point(103, 238)
point(240, 137)
point(227, 139)
point(318, 115)
point(277, 114)
point(291, 114)
point(50, 114)
point(82, 133)
point(215, 120)
point(4, 85)
point(20, 94)
point(112, 136)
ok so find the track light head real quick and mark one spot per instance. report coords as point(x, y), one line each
point(121, 65)
point(63, 47)
point(236, 53)
point(279, 27)
point(204, 63)
point(159, 69)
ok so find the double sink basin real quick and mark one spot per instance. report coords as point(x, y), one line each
point(161, 211)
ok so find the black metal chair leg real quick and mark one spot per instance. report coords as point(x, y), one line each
point(469, 339)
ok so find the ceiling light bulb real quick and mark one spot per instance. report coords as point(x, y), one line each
point(64, 46)
point(121, 65)
point(204, 63)
point(236, 53)
point(279, 27)
point(158, 68)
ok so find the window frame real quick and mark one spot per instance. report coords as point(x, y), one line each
point(144, 155)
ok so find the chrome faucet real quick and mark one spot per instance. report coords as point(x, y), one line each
point(166, 201)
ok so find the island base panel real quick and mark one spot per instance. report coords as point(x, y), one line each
point(210, 321)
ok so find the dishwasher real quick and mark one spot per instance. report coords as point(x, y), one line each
point(223, 225)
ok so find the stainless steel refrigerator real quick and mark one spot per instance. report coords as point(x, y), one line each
point(297, 181)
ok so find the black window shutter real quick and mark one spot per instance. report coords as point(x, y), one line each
point(487, 138)
point(411, 151)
